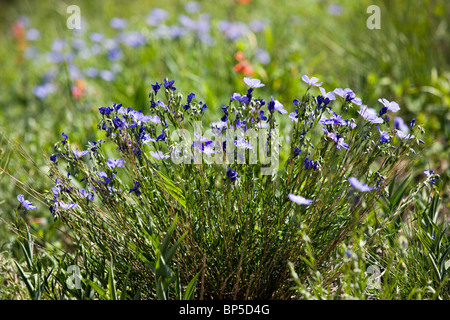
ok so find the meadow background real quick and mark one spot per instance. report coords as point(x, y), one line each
point(54, 79)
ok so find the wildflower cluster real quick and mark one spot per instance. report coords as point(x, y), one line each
point(341, 158)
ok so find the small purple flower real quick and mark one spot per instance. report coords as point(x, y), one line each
point(156, 87)
point(96, 37)
point(26, 204)
point(336, 119)
point(43, 90)
point(348, 95)
point(429, 173)
point(190, 97)
point(84, 194)
point(232, 174)
point(136, 188)
point(370, 115)
point(241, 143)
point(169, 84)
point(253, 83)
point(312, 81)
point(112, 163)
point(118, 23)
point(329, 95)
point(276, 105)
point(384, 136)
point(262, 56)
point(133, 39)
point(104, 175)
point(358, 185)
point(107, 75)
point(65, 137)
point(403, 135)
point(389, 105)
point(105, 110)
point(67, 206)
point(33, 34)
point(299, 199)
point(237, 96)
point(294, 115)
point(338, 139)
point(54, 157)
point(159, 155)
point(261, 116)
point(79, 154)
point(156, 16)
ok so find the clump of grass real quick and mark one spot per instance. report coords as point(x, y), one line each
point(174, 206)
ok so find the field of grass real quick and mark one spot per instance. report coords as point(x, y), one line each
point(155, 229)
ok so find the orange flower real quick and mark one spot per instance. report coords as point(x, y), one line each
point(239, 56)
point(244, 67)
point(79, 88)
point(244, 1)
point(19, 33)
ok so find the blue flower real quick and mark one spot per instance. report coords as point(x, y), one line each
point(261, 116)
point(389, 105)
point(241, 143)
point(169, 84)
point(104, 175)
point(105, 110)
point(358, 185)
point(327, 95)
point(156, 87)
point(384, 136)
point(162, 136)
point(430, 173)
point(204, 106)
point(79, 154)
point(118, 23)
point(237, 96)
point(158, 155)
point(43, 90)
point(310, 164)
point(232, 174)
point(65, 137)
point(190, 97)
point(84, 194)
point(312, 81)
point(136, 188)
point(112, 163)
point(403, 135)
point(67, 206)
point(276, 105)
point(299, 199)
point(370, 115)
point(337, 138)
point(253, 83)
point(26, 204)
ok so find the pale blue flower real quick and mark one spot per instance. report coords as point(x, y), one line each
point(312, 81)
point(299, 199)
point(358, 185)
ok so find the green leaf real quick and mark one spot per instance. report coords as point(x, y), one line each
point(96, 287)
point(170, 187)
point(123, 293)
point(111, 282)
point(29, 285)
point(190, 289)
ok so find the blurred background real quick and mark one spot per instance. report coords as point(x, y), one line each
point(54, 79)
